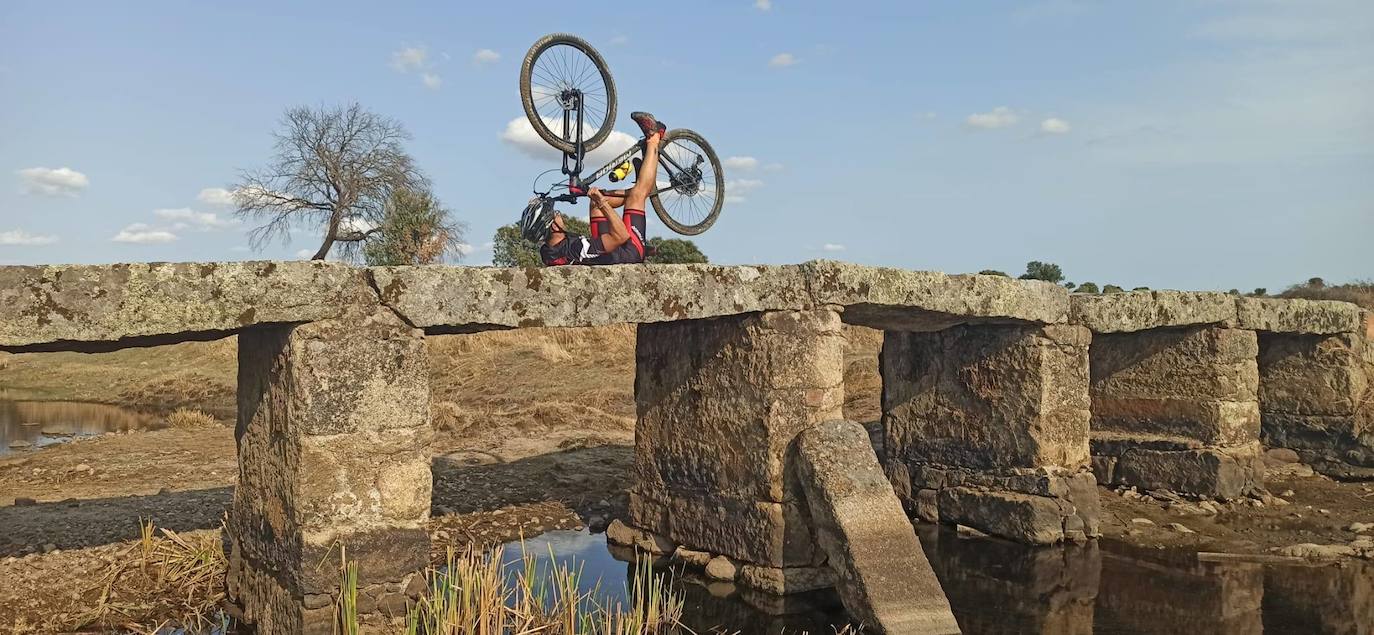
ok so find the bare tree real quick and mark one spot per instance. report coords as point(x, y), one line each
point(334, 169)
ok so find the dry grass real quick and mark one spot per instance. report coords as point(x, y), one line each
point(1360, 292)
point(188, 418)
point(158, 581)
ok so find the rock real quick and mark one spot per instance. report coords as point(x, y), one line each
point(1180, 528)
point(80, 467)
point(597, 523)
point(1325, 512)
point(784, 581)
point(1142, 522)
point(882, 574)
point(692, 557)
point(964, 531)
point(22, 501)
point(1317, 552)
point(1226, 474)
point(1360, 528)
point(1288, 493)
point(20, 444)
point(1280, 456)
point(1363, 542)
point(49, 548)
point(722, 568)
point(620, 534)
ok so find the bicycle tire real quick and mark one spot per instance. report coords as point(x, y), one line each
point(719, 186)
point(527, 94)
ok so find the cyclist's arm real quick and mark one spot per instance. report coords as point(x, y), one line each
point(619, 234)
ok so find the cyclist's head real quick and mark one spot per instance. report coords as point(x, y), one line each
point(536, 220)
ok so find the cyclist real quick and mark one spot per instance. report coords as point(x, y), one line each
point(614, 239)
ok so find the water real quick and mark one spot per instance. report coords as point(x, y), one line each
point(1000, 587)
point(43, 423)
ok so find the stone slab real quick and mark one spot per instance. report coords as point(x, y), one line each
point(1282, 315)
point(102, 307)
point(443, 299)
point(882, 574)
point(1143, 310)
point(759, 532)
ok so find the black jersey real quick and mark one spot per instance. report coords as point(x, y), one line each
point(576, 249)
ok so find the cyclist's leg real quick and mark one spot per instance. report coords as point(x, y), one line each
point(646, 176)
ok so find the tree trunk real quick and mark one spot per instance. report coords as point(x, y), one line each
point(328, 237)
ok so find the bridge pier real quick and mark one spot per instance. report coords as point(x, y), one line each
point(333, 425)
point(1177, 409)
point(1316, 396)
point(987, 426)
point(720, 402)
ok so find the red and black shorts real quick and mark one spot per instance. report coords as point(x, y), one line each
point(588, 250)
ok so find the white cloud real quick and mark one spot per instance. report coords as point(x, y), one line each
point(355, 224)
point(485, 56)
point(139, 233)
point(740, 163)
point(240, 248)
point(773, 167)
point(464, 249)
point(432, 81)
point(185, 218)
point(487, 245)
point(832, 247)
point(1055, 125)
point(782, 60)
point(23, 238)
point(53, 181)
point(520, 134)
point(216, 196)
point(410, 58)
point(305, 254)
point(737, 190)
point(620, 40)
point(999, 117)
point(763, 5)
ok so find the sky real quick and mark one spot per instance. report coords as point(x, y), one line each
point(1192, 144)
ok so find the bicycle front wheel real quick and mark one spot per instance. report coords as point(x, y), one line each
point(690, 185)
point(557, 69)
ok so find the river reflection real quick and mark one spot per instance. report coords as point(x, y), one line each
point(34, 424)
point(1000, 587)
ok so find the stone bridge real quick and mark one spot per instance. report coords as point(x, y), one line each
point(1005, 403)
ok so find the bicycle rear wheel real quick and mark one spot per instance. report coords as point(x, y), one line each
point(690, 185)
point(554, 67)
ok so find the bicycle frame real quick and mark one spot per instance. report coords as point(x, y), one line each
point(577, 186)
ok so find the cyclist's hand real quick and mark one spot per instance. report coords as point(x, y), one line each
point(596, 196)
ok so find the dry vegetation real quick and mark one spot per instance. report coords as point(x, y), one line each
point(1360, 292)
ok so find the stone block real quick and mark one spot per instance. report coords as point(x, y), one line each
point(1037, 520)
point(882, 574)
point(1219, 473)
point(761, 532)
point(721, 400)
point(333, 433)
point(1189, 383)
point(1323, 375)
point(1145, 310)
point(987, 397)
point(1318, 317)
point(786, 580)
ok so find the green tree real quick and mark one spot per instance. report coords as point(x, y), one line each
point(1069, 285)
point(993, 272)
point(1259, 292)
point(1141, 289)
point(1111, 288)
point(1316, 283)
point(1088, 287)
point(1234, 292)
point(667, 251)
point(1047, 271)
point(415, 230)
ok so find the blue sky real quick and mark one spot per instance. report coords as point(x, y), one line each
point(1201, 144)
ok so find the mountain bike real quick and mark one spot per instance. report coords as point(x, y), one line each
point(567, 91)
